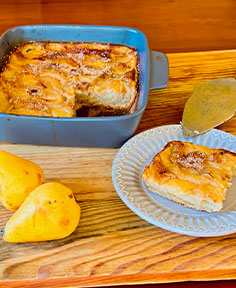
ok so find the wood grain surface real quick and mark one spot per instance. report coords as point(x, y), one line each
point(170, 25)
point(112, 245)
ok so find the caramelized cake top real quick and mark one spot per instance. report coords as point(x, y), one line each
point(64, 79)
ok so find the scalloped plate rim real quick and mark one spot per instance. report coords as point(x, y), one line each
point(146, 216)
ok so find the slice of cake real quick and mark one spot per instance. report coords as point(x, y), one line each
point(192, 175)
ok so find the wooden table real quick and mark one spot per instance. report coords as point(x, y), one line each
point(171, 27)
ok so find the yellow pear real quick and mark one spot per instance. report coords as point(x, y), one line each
point(49, 212)
point(18, 177)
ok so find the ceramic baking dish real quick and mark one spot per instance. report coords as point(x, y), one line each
point(110, 131)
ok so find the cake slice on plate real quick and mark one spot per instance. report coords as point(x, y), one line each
point(192, 175)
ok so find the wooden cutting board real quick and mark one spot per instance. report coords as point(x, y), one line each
point(111, 244)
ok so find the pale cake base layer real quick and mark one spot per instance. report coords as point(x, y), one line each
point(177, 195)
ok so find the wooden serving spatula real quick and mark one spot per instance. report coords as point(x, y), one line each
point(212, 103)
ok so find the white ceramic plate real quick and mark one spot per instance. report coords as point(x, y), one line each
point(129, 164)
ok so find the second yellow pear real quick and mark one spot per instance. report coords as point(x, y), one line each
point(49, 212)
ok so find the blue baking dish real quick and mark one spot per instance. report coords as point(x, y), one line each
point(110, 131)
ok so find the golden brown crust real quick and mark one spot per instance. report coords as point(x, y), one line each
point(188, 173)
point(69, 79)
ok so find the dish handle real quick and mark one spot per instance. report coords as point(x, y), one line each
point(159, 70)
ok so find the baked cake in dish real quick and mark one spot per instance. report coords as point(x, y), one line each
point(69, 80)
point(192, 175)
